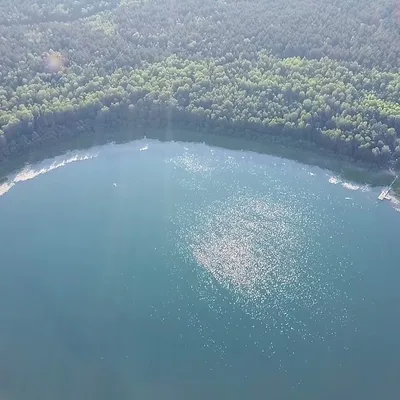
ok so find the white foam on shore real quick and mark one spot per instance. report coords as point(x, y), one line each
point(394, 200)
point(5, 187)
point(334, 180)
point(350, 186)
point(30, 172)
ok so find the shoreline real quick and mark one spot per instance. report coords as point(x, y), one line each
point(341, 167)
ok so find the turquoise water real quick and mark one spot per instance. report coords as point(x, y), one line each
point(181, 271)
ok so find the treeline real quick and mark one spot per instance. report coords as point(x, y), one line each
point(350, 111)
point(322, 71)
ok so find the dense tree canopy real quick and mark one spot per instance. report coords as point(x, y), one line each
point(321, 71)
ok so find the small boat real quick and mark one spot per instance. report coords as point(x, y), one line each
point(115, 185)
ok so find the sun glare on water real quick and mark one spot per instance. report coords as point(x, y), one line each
point(267, 255)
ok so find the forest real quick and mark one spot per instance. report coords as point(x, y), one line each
point(322, 72)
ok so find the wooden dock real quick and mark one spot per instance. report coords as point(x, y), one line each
point(385, 192)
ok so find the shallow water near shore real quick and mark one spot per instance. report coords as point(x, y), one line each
point(180, 270)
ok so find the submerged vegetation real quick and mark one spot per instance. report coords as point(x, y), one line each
point(325, 73)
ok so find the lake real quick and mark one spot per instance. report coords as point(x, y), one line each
point(174, 270)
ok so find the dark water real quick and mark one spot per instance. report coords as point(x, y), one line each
point(184, 271)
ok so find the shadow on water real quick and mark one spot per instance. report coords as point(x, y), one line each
point(305, 153)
